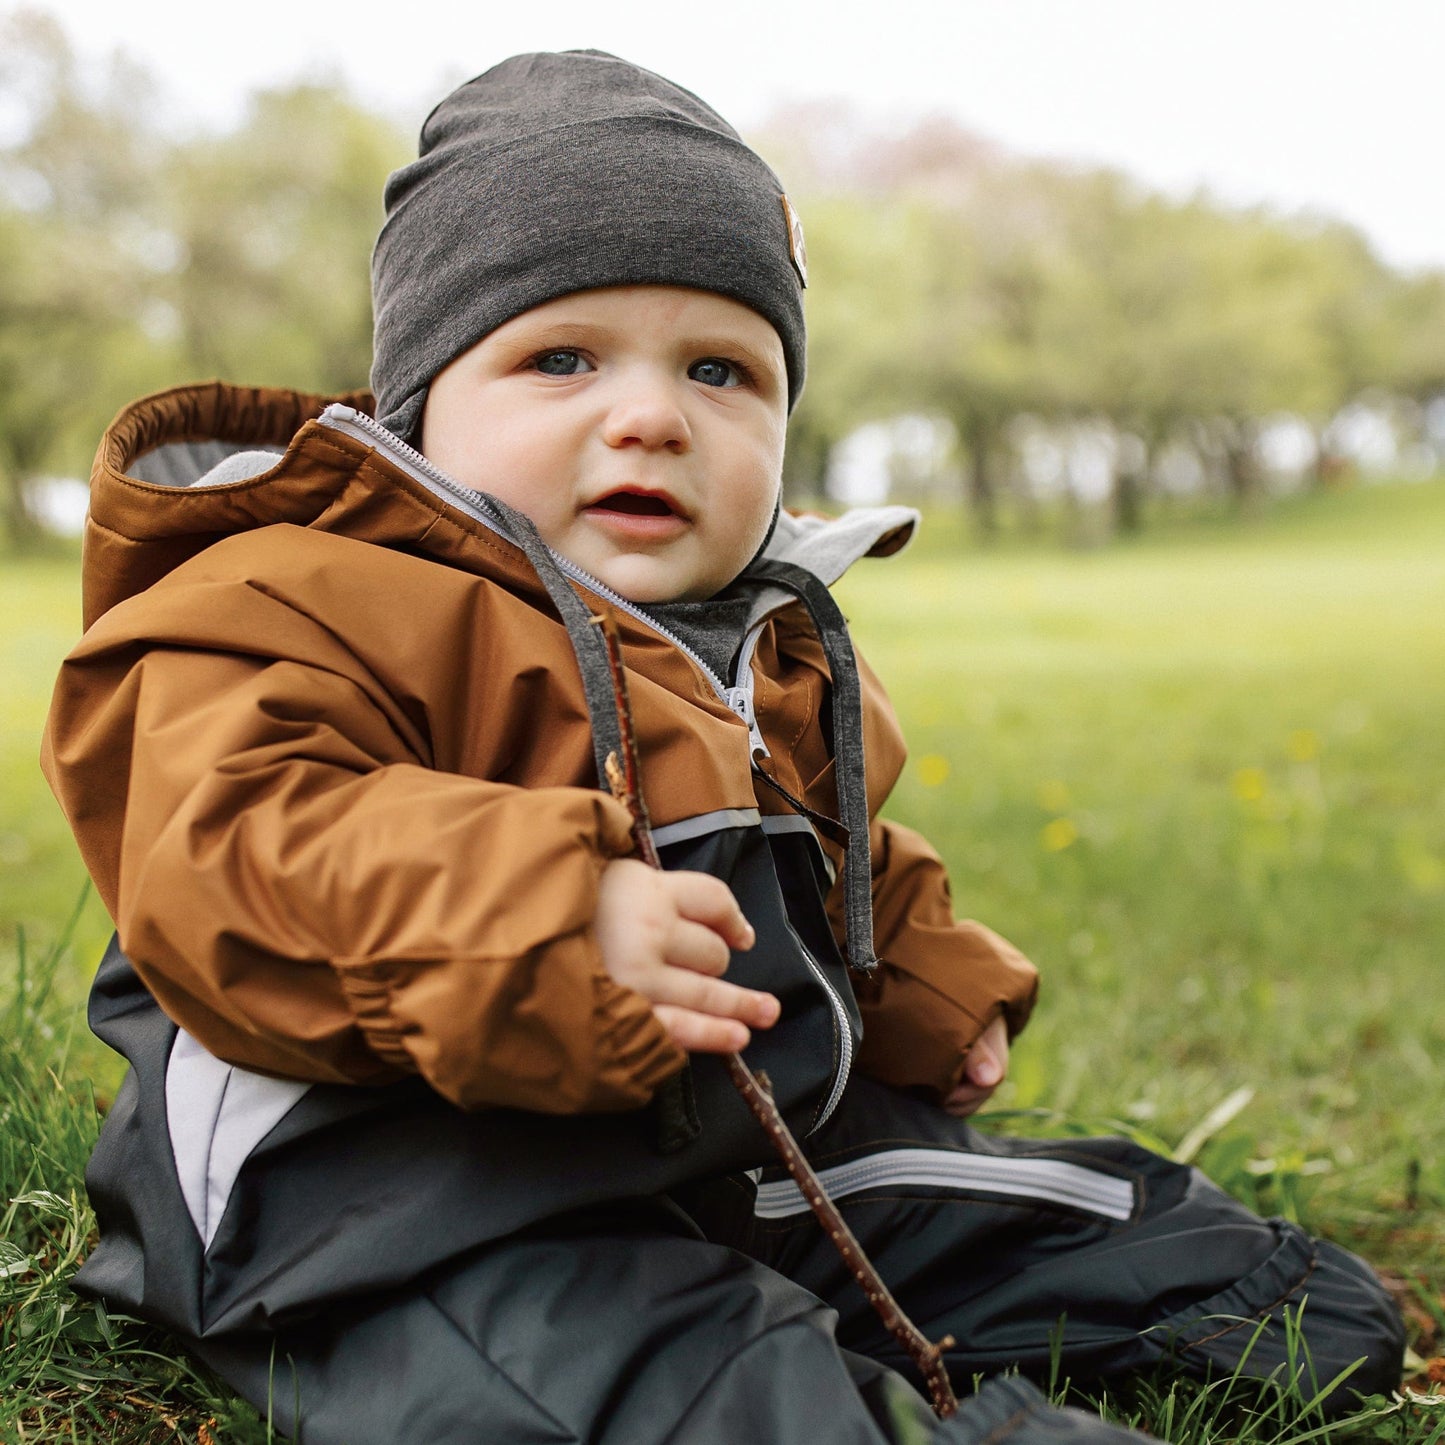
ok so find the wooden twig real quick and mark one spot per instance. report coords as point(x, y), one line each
point(624, 780)
point(757, 1093)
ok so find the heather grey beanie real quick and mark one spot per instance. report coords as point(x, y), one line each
point(558, 173)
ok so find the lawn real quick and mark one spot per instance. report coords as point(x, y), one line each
point(1201, 780)
point(1199, 777)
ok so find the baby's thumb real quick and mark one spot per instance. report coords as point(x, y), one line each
point(983, 1068)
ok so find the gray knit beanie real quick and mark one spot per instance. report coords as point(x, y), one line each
point(558, 173)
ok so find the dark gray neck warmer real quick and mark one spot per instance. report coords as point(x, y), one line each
point(713, 629)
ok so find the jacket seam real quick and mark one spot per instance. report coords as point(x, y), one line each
point(678, 1432)
point(481, 1354)
point(1259, 1315)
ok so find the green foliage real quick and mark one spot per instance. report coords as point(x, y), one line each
point(136, 259)
point(958, 282)
point(70, 1370)
point(273, 235)
point(946, 279)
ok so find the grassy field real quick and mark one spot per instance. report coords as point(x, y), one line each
point(1202, 782)
point(1200, 778)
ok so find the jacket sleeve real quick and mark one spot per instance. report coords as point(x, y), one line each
point(940, 981)
point(304, 894)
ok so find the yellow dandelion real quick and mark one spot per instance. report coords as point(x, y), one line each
point(1303, 745)
point(933, 770)
point(1248, 784)
point(1424, 871)
point(1059, 834)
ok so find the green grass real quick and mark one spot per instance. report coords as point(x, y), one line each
point(1202, 781)
point(41, 874)
point(1199, 777)
point(69, 1371)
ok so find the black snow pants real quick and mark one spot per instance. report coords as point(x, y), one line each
point(721, 1314)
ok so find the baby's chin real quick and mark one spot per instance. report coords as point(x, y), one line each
point(645, 582)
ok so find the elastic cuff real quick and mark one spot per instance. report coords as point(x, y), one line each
point(632, 1037)
point(369, 994)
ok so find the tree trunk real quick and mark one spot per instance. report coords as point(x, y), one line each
point(1129, 488)
point(979, 476)
point(1240, 470)
point(22, 527)
point(1126, 499)
point(1329, 468)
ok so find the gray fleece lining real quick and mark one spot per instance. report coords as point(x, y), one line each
point(713, 629)
point(827, 547)
point(202, 464)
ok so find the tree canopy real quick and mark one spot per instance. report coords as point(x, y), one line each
point(948, 280)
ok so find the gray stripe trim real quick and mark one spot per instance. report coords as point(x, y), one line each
point(704, 823)
point(797, 823)
point(216, 1115)
point(786, 823)
point(1048, 1179)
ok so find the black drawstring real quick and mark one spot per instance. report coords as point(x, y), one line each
point(832, 629)
point(587, 643)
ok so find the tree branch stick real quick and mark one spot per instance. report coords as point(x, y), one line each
point(624, 779)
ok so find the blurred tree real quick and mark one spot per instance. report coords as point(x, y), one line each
point(980, 287)
point(976, 326)
point(1412, 349)
point(947, 278)
point(1341, 297)
point(859, 277)
point(132, 259)
point(271, 228)
point(76, 170)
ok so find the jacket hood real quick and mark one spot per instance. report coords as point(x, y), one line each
point(180, 470)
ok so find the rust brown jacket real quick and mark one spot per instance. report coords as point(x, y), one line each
point(325, 750)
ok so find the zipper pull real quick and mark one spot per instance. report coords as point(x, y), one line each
point(740, 699)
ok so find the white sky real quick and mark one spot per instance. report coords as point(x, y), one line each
point(1330, 105)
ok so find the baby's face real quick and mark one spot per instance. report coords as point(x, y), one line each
point(640, 427)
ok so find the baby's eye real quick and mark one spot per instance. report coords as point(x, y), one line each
point(561, 363)
point(713, 371)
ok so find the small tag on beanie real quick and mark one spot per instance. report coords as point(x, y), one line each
point(797, 249)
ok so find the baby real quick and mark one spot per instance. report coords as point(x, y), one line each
point(426, 1135)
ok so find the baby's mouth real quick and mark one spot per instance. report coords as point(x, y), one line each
point(634, 504)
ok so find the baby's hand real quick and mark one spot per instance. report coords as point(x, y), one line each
point(669, 936)
point(984, 1072)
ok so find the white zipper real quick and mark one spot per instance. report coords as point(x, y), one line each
point(739, 698)
point(844, 1030)
point(740, 694)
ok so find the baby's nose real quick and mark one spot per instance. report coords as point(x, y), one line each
point(648, 412)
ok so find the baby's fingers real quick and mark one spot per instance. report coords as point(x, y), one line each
point(696, 947)
point(702, 1033)
point(701, 898)
point(698, 993)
